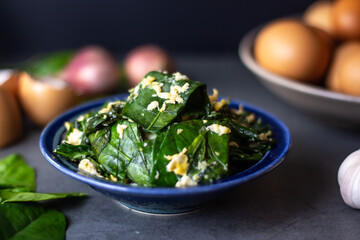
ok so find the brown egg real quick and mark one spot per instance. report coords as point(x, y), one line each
point(349, 74)
point(346, 19)
point(341, 53)
point(9, 80)
point(318, 15)
point(46, 98)
point(292, 49)
point(10, 119)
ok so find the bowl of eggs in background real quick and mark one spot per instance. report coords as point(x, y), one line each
point(312, 61)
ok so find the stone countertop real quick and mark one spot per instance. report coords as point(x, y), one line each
point(300, 199)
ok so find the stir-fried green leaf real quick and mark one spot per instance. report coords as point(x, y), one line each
point(167, 134)
point(121, 155)
point(168, 97)
point(74, 152)
point(178, 137)
point(110, 113)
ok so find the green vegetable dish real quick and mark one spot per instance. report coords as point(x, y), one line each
point(167, 133)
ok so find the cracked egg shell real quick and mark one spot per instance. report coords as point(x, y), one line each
point(44, 99)
point(10, 118)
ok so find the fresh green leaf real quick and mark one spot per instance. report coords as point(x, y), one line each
point(49, 64)
point(15, 172)
point(13, 196)
point(30, 221)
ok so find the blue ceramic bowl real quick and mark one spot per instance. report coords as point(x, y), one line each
point(159, 200)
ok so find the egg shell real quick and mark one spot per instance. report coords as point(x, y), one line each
point(319, 15)
point(10, 119)
point(9, 80)
point(349, 74)
point(341, 53)
point(292, 49)
point(346, 19)
point(43, 101)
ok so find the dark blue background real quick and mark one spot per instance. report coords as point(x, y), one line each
point(187, 26)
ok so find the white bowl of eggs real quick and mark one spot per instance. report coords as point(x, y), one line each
point(313, 61)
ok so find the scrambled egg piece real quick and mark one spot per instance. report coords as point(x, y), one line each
point(163, 107)
point(179, 76)
point(74, 138)
point(120, 130)
point(147, 81)
point(178, 163)
point(219, 129)
point(213, 98)
point(153, 105)
point(202, 165)
point(87, 166)
point(185, 181)
point(108, 106)
point(173, 96)
point(219, 105)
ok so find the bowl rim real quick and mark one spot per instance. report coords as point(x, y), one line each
point(245, 51)
point(54, 127)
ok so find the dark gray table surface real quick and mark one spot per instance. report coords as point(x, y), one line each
point(300, 199)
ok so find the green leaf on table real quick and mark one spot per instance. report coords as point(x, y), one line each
point(30, 221)
point(15, 196)
point(15, 172)
point(191, 97)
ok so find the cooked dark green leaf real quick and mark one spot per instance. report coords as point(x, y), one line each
point(177, 137)
point(163, 135)
point(74, 152)
point(243, 132)
point(100, 139)
point(100, 119)
point(122, 155)
point(217, 155)
point(153, 119)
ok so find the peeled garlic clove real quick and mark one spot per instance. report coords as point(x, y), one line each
point(349, 179)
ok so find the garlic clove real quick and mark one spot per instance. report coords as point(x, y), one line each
point(349, 179)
